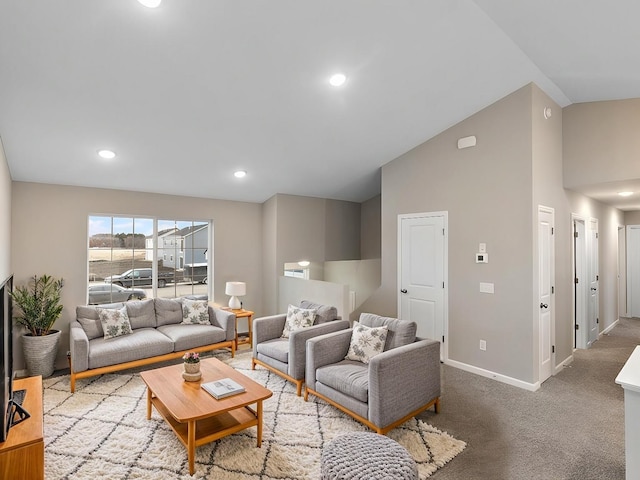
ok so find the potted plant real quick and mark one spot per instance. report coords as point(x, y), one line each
point(191, 362)
point(38, 308)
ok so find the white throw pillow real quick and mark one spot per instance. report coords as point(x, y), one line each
point(115, 322)
point(298, 318)
point(195, 312)
point(366, 342)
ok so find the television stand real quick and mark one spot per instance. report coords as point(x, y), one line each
point(22, 454)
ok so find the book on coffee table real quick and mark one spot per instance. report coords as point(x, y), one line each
point(222, 388)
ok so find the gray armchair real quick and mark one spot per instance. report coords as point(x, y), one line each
point(286, 356)
point(394, 386)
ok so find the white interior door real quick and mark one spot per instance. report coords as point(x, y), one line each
point(580, 282)
point(633, 270)
point(421, 276)
point(545, 290)
point(592, 316)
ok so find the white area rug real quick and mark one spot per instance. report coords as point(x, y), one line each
point(101, 431)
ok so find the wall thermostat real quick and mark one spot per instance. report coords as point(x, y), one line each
point(482, 258)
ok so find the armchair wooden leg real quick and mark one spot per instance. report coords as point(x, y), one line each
point(253, 364)
point(306, 394)
point(299, 387)
point(436, 406)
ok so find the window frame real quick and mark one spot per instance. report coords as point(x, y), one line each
point(154, 250)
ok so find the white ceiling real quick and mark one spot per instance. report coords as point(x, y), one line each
point(191, 91)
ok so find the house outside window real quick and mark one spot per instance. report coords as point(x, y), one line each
point(121, 252)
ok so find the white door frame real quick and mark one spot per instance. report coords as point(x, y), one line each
point(622, 272)
point(540, 342)
point(444, 354)
point(579, 304)
point(593, 255)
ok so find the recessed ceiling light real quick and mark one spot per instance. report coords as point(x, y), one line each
point(625, 194)
point(150, 3)
point(240, 174)
point(338, 79)
point(107, 154)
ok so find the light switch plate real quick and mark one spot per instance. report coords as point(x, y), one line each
point(486, 287)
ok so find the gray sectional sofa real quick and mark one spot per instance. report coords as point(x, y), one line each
point(157, 333)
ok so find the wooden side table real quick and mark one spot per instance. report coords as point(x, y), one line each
point(242, 313)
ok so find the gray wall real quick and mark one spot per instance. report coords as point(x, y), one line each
point(270, 270)
point(342, 230)
point(49, 235)
point(306, 228)
point(5, 216)
point(370, 228)
point(492, 192)
point(599, 139)
point(487, 191)
point(632, 218)
point(549, 192)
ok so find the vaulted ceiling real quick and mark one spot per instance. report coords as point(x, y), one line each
point(191, 91)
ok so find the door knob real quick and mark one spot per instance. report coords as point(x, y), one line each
point(544, 305)
point(404, 290)
point(593, 289)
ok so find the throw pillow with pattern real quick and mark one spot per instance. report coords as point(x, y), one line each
point(366, 342)
point(298, 318)
point(195, 312)
point(115, 322)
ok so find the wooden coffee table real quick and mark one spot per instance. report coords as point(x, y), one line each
point(195, 416)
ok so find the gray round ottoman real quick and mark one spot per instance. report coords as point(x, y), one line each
point(366, 456)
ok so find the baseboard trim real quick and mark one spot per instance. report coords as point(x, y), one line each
point(609, 328)
point(532, 387)
point(565, 363)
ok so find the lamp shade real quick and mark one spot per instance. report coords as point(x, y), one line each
point(235, 289)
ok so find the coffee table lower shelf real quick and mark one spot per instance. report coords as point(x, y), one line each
point(212, 428)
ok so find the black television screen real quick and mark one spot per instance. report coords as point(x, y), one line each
point(6, 358)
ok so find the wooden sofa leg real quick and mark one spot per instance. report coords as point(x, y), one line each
point(253, 364)
point(436, 406)
point(299, 388)
point(73, 383)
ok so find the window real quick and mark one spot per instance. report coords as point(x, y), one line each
point(121, 256)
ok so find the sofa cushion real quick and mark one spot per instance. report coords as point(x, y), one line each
point(168, 311)
point(366, 342)
point(277, 348)
point(141, 343)
point(195, 312)
point(185, 337)
point(324, 313)
point(142, 313)
point(115, 323)
point(347, 377)
point(298, 318)
point(400, 332)
point(88, 318)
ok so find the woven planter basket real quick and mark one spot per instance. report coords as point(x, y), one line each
point(40, 353)
point(192, 367)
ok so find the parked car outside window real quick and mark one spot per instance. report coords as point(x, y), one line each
point(109, 293)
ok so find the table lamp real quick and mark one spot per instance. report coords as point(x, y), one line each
point(235, 289)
